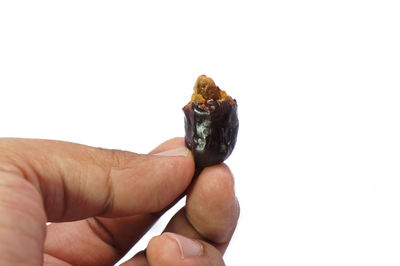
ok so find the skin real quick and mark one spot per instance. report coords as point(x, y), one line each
point(101, 202)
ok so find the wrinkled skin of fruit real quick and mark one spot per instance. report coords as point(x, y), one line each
point(211, 131)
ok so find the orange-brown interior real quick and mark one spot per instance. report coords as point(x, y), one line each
point(205, 89)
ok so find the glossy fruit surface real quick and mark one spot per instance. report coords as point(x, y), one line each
point(211, 130)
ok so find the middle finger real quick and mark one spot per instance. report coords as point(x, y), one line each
point(212, 210)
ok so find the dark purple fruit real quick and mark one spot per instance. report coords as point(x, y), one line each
point(211, 123)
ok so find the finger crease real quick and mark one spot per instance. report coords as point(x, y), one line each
point(109, 200)
point(102, 232)
point(31, 178)
point(64, 195)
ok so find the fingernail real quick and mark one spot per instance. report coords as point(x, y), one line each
point(187, 247)
point(182, 151)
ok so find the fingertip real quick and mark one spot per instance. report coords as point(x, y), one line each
point(218, 177)
point(188, 248)
point(211, 206)
point(151, 182)
point(215, 185)
point(180, 151)
point(162, 250)
point(175, 250)
point(174, 147)
point(178, 162)
point(169, 144)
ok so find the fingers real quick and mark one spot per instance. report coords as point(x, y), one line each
point(171, 249)
point(211, 211)
point(78, 181)
point(105, 239)
point(209, 217)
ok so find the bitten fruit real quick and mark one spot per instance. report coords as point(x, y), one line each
point(211, 123)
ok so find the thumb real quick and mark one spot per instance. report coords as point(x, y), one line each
point(174, 249)
point(77, 181)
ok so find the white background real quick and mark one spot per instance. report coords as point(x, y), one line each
point(317, 163)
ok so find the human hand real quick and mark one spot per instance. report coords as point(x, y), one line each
point(101, 202)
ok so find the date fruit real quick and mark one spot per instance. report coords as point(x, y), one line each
point(211, 123)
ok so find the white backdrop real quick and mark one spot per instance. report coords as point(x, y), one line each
point(317, 163)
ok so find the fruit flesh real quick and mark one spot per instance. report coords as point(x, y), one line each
point(205, 89)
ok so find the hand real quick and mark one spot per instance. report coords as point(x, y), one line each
point(101, 202)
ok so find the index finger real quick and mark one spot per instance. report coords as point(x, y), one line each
point(78, 181)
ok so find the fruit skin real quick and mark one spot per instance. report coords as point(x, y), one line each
point(211, 131)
